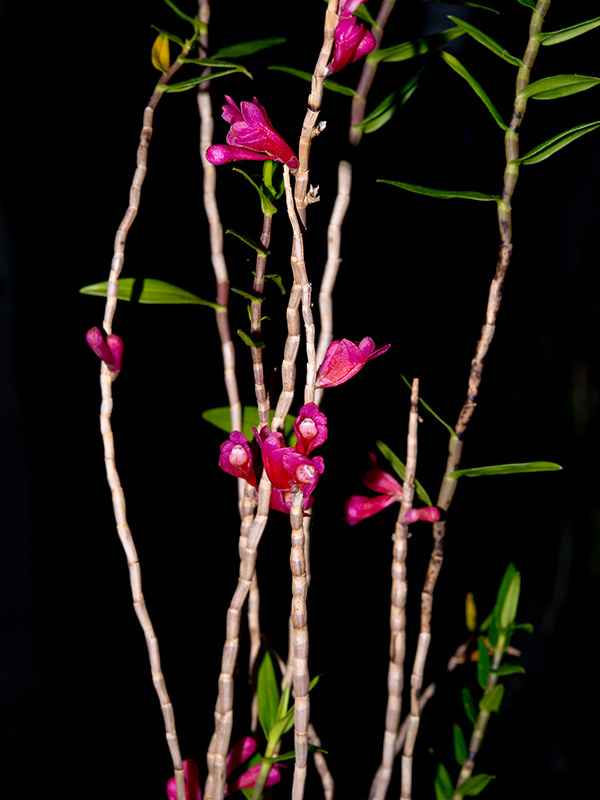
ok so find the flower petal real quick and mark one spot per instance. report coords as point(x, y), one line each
point(358, 507)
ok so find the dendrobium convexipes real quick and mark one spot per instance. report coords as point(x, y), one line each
point(109, 350)
point(351, 40)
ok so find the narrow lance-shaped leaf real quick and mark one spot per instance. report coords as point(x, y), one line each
point(185, 86)
point(248, 48)
point(564, 34)
point(192, 20)
point(400, 468)
point(546, 149)
point(387, 108)
point(509, 669)
point(455, 64)
point(487, 41)
point(505, 469)
point(469, 705)
point(443, 194)
point(170, 36)
point(448, 427)
point(508, 613)
point(415, 47)
point(558, 86)
point(217, 63)
point(507, 578)
point(492, 700)
point(483, 663)
point(466, 3)
point(443, 783)
point(460, 746)
point(473, 785)
point(150, 291)
point(266, 206)
point(250, 242)
point(307, 76)
point(267, 692)
point(528, 3)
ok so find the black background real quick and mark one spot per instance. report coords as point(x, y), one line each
point(78, 709)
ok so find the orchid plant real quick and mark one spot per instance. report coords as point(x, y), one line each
point(276, 445)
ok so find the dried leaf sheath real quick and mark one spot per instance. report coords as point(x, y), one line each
point(383, 776)
point(300, 647)
point(135, 578)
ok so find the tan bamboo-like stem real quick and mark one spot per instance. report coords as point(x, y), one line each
point(332, 265)
point(300, 646)
point(359, 101)
point(426, 696)
point(300, 293)
point(118, 497)
point(327, 781)
point(448, 486)
point(135, 578)
point(216, 237)
point(219, 744)
point(301, 193)
point(258, 288)
point(395, 683)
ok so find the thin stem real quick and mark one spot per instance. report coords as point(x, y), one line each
point(334, 239)
point(301, 194)
point(216, 236)
point(135, 578)
point(300, 647)
point(359, 101)
point(395, 683)
point(327, 781)
point(258, 288)
point(219, 744)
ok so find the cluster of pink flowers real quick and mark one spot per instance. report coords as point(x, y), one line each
point(351, 40)
point(293, 468)
point(238, 754)
point(358, 507)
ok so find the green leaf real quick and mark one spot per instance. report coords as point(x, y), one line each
point(427, 407)
point(250, 242)
point(465, 3)
point(277, 281)
point(221, 418)
point(388, 107)
point(486, 41)
point(507, 578)
point(249, 340)
point(477, 783)
point(266, 206)
point(254, 298)
point(170, 36)
point(399, 468)
point(215, 62)
point(150, 291)
point(267, 693)
point(556, 143)
point(523, 626)
point(307, 76)
point(185, 86)
point(509, 669)
point(362, 12)
point(443, 194)
point(443, 783)
point(415, 47)
point(248, 48)
point(492, 700)
point(193, 20)
point(564, 34)
point(558, 86)
point(505, 469)
point(469, 705)
point(508, 612)
point(528, 3)
point(483, 662)
point(460, 746)
point(455, 64)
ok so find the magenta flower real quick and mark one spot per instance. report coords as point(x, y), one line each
point(358, 507)
point(348, 7)
point(344, 359)
point(282, 501)
point(425, 514)
point(251, 137)
point(236, 458)
point(285, 466)
point(351, 42)
point(239, 753)
point(192, 784)
point(109, 351)
point(310, 428)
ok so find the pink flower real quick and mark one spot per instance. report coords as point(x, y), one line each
point(285, 466)
point(358, 507)
point(425, 514)
point(310, 428)
point(109, 351)
point(251, 137)
point(282, 501)
point(236, 458)
point(192, 785)
point(348, 7)
point(239, 753)
point(344, 359)
point(351, 42)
